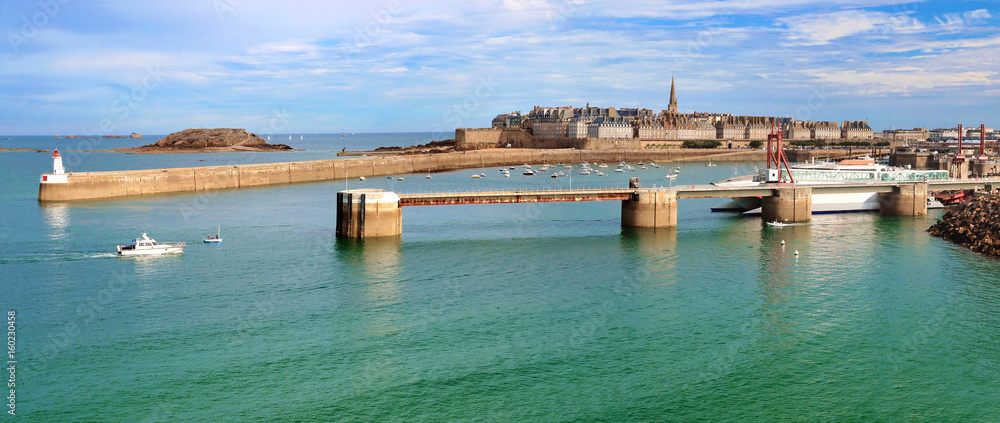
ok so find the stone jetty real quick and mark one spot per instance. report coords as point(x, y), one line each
point(974, 224)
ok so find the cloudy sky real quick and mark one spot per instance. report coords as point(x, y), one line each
point(297, 66)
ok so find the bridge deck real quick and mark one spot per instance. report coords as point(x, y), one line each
point(619, 194)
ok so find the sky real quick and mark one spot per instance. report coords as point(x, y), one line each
point(297, 66)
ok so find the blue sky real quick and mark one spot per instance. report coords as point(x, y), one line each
point(117, 66)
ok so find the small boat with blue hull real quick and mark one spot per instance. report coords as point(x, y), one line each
point(214, 239)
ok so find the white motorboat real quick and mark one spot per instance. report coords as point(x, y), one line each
point(603, 165)
point(428, 176)
point(826, 173)
point(146, 246)
point(710, 164)
point(671, 176)
point(476, 176)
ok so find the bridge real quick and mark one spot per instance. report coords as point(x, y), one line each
point(366, 213)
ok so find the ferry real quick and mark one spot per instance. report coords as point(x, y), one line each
point(146, 246)
point(858, 171)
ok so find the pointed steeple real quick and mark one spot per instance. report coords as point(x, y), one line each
point(672, 108)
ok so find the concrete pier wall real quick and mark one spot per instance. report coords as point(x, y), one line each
point(904, 200)
point(788, 205)
point(650, 208)
point(98, 185)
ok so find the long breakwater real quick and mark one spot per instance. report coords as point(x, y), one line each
point(111, 184)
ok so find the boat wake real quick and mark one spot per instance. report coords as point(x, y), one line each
point(37, 258)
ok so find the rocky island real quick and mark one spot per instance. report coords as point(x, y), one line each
point(200, 140)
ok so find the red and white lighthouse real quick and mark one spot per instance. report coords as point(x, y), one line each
point(58, 175)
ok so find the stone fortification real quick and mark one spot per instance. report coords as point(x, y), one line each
point(974, 224)
point(474, 138)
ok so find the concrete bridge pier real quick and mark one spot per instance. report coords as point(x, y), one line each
point(788, 205)
point(368, 213)
point(650, 208)
point(904, 200)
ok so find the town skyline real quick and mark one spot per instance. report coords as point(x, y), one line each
point(415, 66)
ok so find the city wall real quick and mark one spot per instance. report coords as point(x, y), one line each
point(99, 185)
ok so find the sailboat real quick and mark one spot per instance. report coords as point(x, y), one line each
point(300, 136)
point(217, 239)
point(289, 137)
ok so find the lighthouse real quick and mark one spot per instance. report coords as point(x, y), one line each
point(58, 175)
point(57, 167)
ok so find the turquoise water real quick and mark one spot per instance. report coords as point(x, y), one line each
point(546, 312)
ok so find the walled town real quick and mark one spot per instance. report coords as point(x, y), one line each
point(645, 127)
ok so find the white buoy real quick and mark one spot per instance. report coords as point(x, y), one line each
point(796, 252)
point(782, 242)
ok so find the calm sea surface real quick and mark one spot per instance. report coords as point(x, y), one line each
point(548, 312)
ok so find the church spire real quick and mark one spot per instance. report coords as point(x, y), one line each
point(672, 108)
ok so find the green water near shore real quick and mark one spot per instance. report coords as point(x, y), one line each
point(548, 312)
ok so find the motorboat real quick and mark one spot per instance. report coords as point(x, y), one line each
point(428, 176)
point(476, 176)
point(830, 173)
point(399, 178)
point(361, 178)
point(710, 164)
point(146, 246)
point(555, 175)
point(603, 165)
point(216, 239)
point(528, 172)
point(585, 172)
point(671, 176)
point(619, 170)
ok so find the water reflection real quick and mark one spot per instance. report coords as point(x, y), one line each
point(376, 263)
point(652, 254)
point(777, 274)
point(57, 217)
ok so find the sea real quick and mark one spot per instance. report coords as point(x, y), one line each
point(518, 312)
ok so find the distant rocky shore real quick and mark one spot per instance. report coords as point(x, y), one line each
point(32, 150)
point(974, 224)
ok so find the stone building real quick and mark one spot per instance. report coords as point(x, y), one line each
point(610, 128)
point(651, 129)
point(695, 129)
point(907, 135)
point(856, 130)
point(824, 130)
point(549, 122)
point(577, 128)
point(797, 130)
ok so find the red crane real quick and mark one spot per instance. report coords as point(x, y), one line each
point(776, 156)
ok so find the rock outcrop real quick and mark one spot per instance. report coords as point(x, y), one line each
point(237, 139)
point(974, 224)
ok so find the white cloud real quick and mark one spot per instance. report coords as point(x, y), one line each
point(822, 28)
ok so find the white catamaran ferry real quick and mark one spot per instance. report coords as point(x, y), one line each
point(860, 171)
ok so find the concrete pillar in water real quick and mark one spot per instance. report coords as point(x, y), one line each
point(650, 208)
point(368, 213)
point(787, 205)
point(904, 200)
